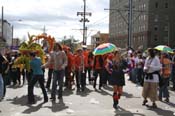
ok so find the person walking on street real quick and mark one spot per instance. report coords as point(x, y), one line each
point(152, 69)
point(59, 59)
point(50, 74)
point(38, 75)
point(116, 67)
point(165, 75)
point(80, 70)
point(2, 60)
point(98, 68)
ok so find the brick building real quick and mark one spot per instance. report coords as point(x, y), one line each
point(153, 23)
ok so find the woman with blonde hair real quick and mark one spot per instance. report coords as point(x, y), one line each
point(116, 66)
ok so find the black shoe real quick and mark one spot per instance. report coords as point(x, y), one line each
point(154, 105)
point(31, 102)
point(144, 102)
point(160, 99)
point(167, 99)
point(94, 86)
point(45, 99)
point(115, 106)
point(82, 89)
point(60, 97)
point(53, 99)
point(78, 89)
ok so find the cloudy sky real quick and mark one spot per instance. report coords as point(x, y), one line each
point(58, 16)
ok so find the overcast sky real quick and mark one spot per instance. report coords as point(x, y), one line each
point(58, 16)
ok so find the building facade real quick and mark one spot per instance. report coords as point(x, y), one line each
point(99, 38)
point(153, 23)
point(6, 39)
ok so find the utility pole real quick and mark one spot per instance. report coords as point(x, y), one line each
point(2, 25)
point(128, 21)
point(84, 20)
point(12, 36)
point(130, 24)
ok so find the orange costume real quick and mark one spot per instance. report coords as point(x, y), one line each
point(166, 69)
point(79, 62)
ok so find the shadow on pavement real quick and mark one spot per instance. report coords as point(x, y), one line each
point(169, 103)
point(56, 107)
point(14, 86)
point(122, 112)
point(32, 109)
point(84, 93)
point(128, 95)
point(67, 92)
point(161, 112)
point(103, 92)
point(22, 100)
point(108, 87)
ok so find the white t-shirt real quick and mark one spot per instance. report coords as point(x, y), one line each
point(152, 64)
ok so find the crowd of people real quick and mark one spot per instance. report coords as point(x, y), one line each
point(154, 70)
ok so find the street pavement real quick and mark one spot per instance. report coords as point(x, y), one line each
point(88, 103)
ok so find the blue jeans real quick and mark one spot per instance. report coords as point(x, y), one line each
point(163, 91)
point(1, 87)
point(58, 76)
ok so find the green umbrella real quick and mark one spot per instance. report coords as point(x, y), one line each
point(104, 49)
point(164, 48)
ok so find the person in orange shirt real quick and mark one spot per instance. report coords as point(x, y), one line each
point(98, 68)
point(79, 63)
point(68, 71)
point(90, 62)
point(86, 53)
point(165, 75)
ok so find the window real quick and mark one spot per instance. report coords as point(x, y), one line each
point(166, 28)
point(165, 39)
point(144, 6)
point(156, 5)
point(166, 5)
point(155, 37)
point(166, 17)
point(155, 27)
point(156, 18)
point(97, 39)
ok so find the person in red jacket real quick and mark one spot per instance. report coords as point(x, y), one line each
point(79, 62)
point(98, 68)
point(90, 62)
point(69, 69)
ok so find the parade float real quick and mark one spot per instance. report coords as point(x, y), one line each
point(32, 46)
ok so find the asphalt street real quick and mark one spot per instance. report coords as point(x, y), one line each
point(88, 103)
